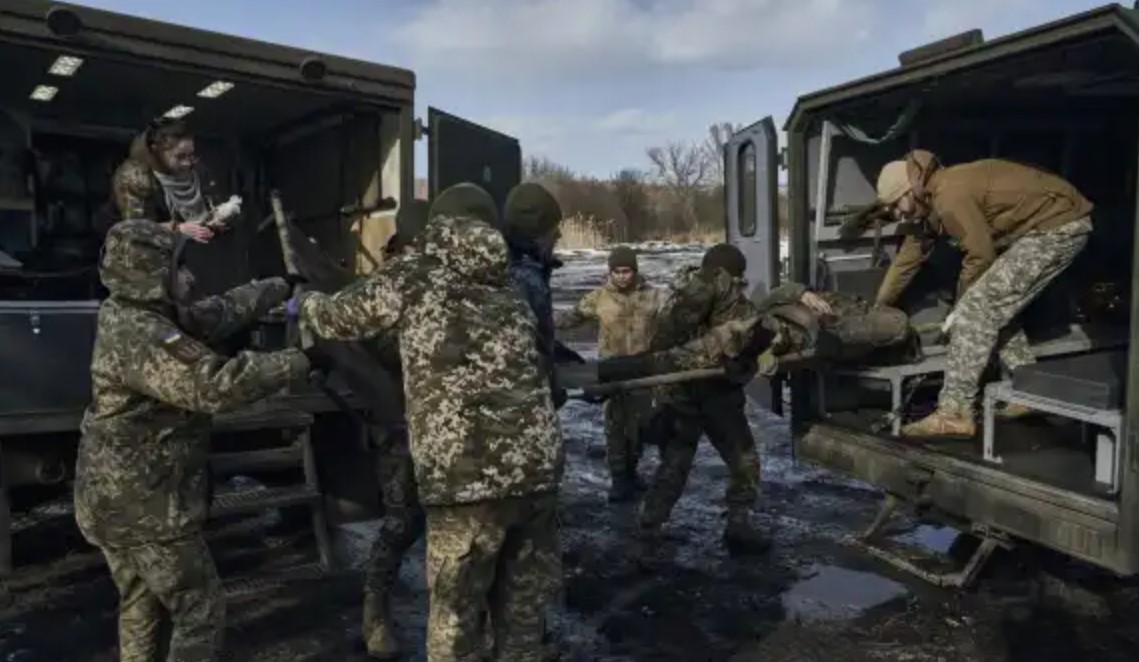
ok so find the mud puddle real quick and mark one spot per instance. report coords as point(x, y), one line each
point(834, 593)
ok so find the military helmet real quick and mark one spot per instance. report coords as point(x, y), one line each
point(138, 258)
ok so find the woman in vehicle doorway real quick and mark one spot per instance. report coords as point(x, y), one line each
point(1018, 227)
point(161, 181)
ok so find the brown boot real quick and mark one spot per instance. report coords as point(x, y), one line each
point(742, 535)
point(943, 424)
point(1013, 411)
point(380, 637)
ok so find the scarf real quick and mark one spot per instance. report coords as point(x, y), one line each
point(183, 195)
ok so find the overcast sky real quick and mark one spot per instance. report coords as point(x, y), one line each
point(593, 83)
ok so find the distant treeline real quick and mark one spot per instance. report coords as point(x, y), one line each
point(678, 197)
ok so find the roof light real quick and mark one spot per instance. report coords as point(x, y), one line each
point(178, 111)
point(216, 89)
point(65, 65)
point(44, 92)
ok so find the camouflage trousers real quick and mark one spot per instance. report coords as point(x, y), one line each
point(173, 580)
point(404, 522)
point(500, 557)
point(623, 413)
point(718, 413)
point(982, 316)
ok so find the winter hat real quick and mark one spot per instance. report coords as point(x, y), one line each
point(622, 256)
point(726, 257)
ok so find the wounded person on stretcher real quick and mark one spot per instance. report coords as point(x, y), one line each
point(783, 325)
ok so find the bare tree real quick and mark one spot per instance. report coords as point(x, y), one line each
point(683, 169)
point(718, 136)
point(542, 168)
point(632, 195)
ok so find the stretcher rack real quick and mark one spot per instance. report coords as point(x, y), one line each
point(1108, 451)
point(1078, 339)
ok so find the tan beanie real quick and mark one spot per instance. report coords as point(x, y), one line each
point(893, 182)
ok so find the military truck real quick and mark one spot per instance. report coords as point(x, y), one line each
point(1063, 97)
point(334, 136)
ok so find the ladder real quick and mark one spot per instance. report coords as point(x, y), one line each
point(294, 451)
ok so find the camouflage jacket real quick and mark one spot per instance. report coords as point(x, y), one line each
point(854, 329)
point(480, 415)
point(141, 473)
point(625, 317)
point(698, 300)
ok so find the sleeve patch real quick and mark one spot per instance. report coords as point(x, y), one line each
point(183, 347)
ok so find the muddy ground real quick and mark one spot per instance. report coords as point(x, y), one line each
point(815, 597)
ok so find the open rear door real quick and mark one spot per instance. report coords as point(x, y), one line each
point(751, 159)
point(462, 151)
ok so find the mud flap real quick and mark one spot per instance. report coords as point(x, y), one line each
point(909, 559)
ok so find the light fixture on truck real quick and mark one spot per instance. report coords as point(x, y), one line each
point(63, 22)
point(216, 89)
point(178, 111)
point(65, 65)
point(44, 93)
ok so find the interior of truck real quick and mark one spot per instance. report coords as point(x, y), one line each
point(1070, 109)
point(66, 123)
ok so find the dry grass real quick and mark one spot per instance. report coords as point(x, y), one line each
point(587, 232)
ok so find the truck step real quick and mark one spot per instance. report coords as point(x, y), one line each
point(284, 457)
point(247, 501)
point(256, 584)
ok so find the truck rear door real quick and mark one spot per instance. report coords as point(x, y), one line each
point(751, 160)
point(461, 151)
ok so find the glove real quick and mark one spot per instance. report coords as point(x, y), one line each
point(293, 307)
point(318, 359)
point(560, 397)
point(277, 290)
point(624, 368)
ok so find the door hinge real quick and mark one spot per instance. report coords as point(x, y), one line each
point(781, 158)
point(419, 129)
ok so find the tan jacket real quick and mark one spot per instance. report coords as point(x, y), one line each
point(625, 318)
point(985, 205)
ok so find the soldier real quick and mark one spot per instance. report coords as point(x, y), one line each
point(704, 297)
point(161, 181)
point(141, 476)
point(485, 439)
point(404, 519)
point(1018, 228)
point(532, 227)
point(625, 308)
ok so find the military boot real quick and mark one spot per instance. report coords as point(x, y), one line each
point(742, 535)
point(380, 637)
point(945, 423)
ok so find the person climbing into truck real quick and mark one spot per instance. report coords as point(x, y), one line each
point(161, 180)
point(625, 308)
point(1018, 227)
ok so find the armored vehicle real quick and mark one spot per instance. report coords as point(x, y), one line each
point(334, 136)
point(1063, 97)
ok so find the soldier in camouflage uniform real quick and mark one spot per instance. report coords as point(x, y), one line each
point(404, 519)
point(532, 227)
point(485, 438)
point(625, 309)
point(1018, 227)
point(141, 474)
point(701, 298)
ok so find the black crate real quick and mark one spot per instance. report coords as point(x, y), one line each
point(45, 352)
point(1096, 380)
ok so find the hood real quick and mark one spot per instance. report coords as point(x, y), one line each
point(468, 247)
point(141, 153)
point(137, 261)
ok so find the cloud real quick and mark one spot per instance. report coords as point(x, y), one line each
point(606, 37)
point(636, 120)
